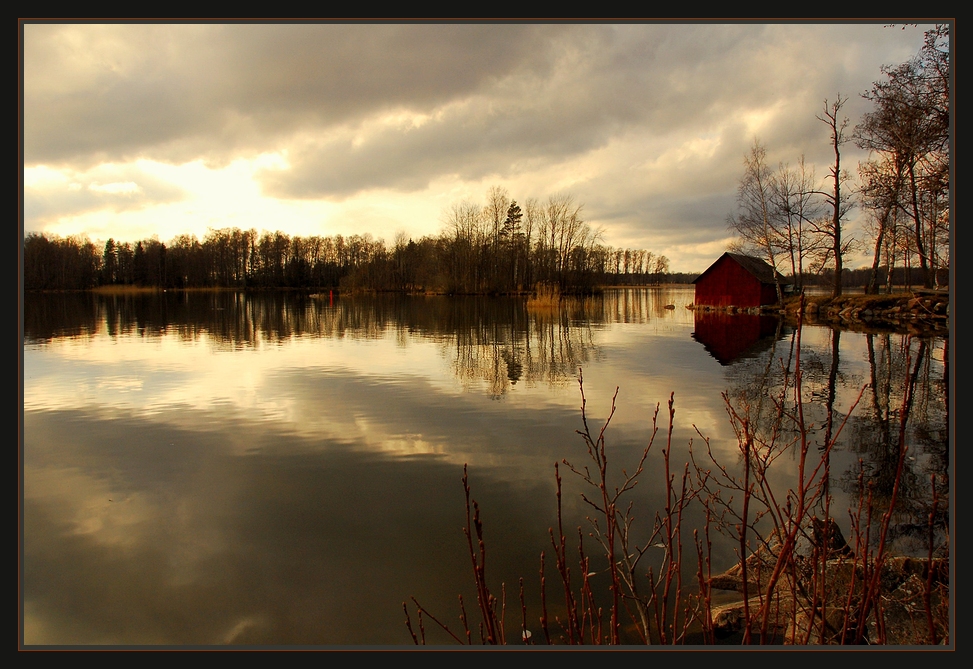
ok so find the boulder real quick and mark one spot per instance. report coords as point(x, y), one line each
point(820, 600)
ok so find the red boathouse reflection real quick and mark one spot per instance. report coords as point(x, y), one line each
point(727, 337)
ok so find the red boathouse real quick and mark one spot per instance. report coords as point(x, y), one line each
point(737, 280)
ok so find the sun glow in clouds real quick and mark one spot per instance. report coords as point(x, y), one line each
point(212, 198)
point(117, 188)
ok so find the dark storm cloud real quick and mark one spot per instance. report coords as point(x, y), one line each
point(482, 138)
point(605, 79)
point(596, 83)
point(180, 92)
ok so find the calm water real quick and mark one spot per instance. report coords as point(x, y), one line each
point(282, 469)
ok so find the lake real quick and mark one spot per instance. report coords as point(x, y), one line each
point(278, 468)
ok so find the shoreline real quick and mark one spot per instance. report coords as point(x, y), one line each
point(917, 312)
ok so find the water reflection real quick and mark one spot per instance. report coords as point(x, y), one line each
point(905, 407)
point(283, 468)
point(143, 533)
point(496, 341)
point(726, 337)
point(874, 405)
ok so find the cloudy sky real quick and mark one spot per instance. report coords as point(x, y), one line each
point(133, 130)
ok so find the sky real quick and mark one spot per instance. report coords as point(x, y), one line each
point(133, 131)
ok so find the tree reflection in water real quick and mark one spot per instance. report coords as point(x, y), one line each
point(499, 345)
point(904, 403)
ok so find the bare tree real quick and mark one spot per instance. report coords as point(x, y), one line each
point(464, 225)
point(755, 223)
point(661, 268)
point(494, 213)
point(908, 134)
point(795, 205)
point(532, 222)
point(880, 192)
point(563, 230)
point(838, 201)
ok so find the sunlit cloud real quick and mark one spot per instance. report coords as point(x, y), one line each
point(117, 188)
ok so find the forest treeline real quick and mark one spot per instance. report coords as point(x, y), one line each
point(495, 248)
